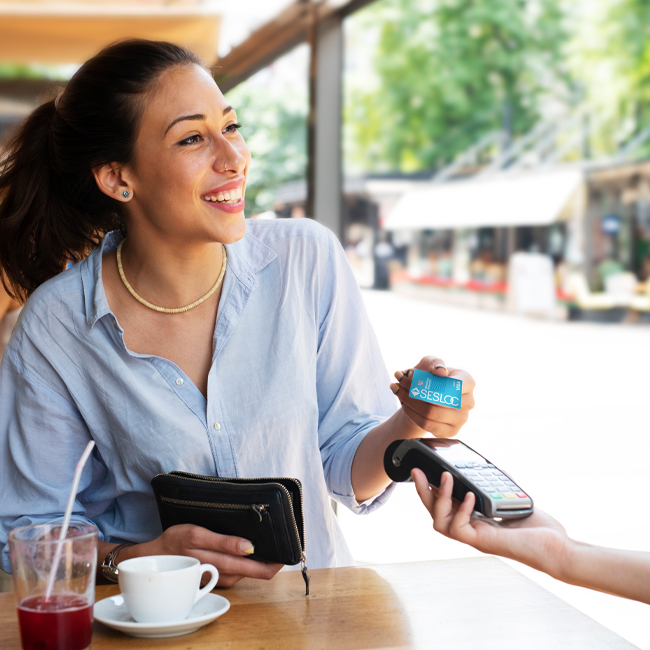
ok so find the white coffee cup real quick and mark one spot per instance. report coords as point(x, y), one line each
point(163, 588)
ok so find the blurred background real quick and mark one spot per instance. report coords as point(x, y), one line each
point(486, 165)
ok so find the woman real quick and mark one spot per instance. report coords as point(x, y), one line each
point(147, 347)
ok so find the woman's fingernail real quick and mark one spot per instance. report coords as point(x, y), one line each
point(394, 388)
point(246, 547)
point(440, 365)
point(398, 374)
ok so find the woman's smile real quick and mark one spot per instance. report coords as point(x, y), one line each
point(228, 197)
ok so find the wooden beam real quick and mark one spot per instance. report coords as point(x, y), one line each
point(277, 37)
point(327, 182)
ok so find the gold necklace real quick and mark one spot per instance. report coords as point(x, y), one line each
point(166, 310)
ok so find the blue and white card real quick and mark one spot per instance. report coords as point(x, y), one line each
point(442, 391)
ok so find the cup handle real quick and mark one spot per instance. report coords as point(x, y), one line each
point(213, 581)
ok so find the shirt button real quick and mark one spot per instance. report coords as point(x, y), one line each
point(217, 426)
point(179, 381)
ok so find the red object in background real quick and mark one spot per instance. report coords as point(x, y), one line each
point(481, 286)
point(472, 285)
point(61, 623)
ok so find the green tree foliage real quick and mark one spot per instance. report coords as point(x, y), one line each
point(622, 44)
point(35, 71)
point(628, 22)
point(449, 72)
point(609, 56)
point(274, 125)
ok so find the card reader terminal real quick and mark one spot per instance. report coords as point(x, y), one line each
point(497, 495)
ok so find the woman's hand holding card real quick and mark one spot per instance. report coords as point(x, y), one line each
point(434, 410)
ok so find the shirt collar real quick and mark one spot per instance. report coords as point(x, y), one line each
point(246, 258)
point(94, 294)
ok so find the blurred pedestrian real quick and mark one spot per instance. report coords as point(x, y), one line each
point(383, 252)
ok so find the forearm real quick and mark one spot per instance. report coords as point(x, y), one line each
point(614, 571)
point(368, 475)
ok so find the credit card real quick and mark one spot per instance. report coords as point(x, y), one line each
point(443, 391)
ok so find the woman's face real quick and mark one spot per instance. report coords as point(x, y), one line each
point(190, 164)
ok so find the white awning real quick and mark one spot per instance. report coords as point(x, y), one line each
point(530, 199)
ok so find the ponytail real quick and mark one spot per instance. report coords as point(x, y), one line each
point(51, 210)
point(39, 228)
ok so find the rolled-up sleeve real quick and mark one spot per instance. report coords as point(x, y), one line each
point(352, 380)
point(42, 437)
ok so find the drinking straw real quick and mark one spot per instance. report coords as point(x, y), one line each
point(66, 518)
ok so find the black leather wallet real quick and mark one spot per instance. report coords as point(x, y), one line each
point(266, 511)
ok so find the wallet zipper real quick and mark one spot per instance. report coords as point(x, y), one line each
point(259, 508)
point(198, 477)
point(303, 555)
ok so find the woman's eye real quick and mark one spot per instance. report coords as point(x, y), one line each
point(193, 139)
point(233, 128)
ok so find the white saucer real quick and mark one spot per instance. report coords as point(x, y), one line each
point(113, 613)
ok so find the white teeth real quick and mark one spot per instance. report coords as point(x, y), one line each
point(231, 196)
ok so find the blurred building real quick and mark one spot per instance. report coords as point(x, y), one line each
point(455, 235)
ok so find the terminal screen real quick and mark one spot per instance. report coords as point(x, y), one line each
point(453, 451)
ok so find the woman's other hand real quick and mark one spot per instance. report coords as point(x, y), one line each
point(441, 421)
point(538, 541)
point(227, 553)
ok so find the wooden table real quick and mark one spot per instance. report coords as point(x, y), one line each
point(475, 603)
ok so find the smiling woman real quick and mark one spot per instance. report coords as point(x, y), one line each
point(180, 339)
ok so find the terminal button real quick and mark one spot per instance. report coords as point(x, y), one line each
point(509, 495)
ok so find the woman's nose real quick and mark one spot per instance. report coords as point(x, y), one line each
point(229, 159)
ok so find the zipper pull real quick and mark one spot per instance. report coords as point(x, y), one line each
point(259, 509)
point(305, 574)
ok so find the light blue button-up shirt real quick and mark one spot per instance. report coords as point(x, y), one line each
point(296, 382)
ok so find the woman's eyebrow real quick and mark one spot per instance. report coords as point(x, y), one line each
point(198, 116)
point(185, 117)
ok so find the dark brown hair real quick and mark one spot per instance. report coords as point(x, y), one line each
point(51, 210)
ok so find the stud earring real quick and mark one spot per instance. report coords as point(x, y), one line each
point(126, 194)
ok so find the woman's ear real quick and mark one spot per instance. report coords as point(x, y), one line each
point(113, 180)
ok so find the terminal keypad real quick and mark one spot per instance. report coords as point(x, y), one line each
point(491, 480)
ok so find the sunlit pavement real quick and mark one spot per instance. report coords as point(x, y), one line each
point(562, 407)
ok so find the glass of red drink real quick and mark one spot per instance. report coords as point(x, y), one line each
point(62, 621)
